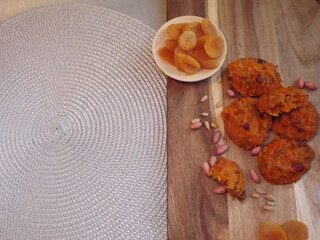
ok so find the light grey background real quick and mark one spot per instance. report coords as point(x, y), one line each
point(150, 12)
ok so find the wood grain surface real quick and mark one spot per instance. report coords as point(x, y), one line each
point(286, 33)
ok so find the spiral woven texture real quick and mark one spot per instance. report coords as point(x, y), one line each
point(82, 127)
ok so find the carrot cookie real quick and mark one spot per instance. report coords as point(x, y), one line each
point(230, 176)
point(244, 124)
point(253, 76)
point(284, 160)
point(299, 124)
point(282, 100)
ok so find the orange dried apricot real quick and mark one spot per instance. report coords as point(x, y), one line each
point(201, 40)
point(188, 63)
point(176, 52)
point(180, 26)
point(204, 60)
point(171, 44)
point(173, 32)
point(207, 27)
point(295, 230)
point(187, 40)
point(166, 55)
point(214, 46)
point(271, 231)
point(193, 26)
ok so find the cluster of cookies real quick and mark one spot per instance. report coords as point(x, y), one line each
point(267, 104)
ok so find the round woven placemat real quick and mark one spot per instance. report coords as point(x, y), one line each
point(82, 127)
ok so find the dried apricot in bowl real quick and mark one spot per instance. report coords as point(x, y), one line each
point(175, 55)
point(207, 27)
point(193, 26)
point(214, 46)
point(167, 55)
point(205, 61)
point(187, 40)
point(171, 44)
point(271, 231)
point(173, 31)
point(295, 230)
point(188, 63)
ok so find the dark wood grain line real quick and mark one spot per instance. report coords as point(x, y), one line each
point(193, 210)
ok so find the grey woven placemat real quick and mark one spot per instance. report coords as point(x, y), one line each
point(82, 127)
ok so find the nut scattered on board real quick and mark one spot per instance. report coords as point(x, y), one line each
point(230, 93)
point(207, 125)
point(255, 151)
point(204, 98)
point(213, 160)
point(214, 125)
point(222, 149)
point(255, 195)
point(254, 176)
point(196, 120)
point(206, 169)
point(196, 125)
point(272, 204)
point(270, 197)
point(205, 114)
point(260, 191)
point(310, 85)
point(300, 82)
point(216, 136)
point(269, 208)
point(220, 190)
point(219, 104)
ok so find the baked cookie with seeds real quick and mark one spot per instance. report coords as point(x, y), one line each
point(299, 124)
point(253, 76)
point(229, 174)
point(244, 124)
point(284, 161)
point(282, 100)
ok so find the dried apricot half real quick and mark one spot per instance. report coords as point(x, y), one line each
point(188, 63)
point(171, 44)
point(207, 27)
point(176, 52)
point(201, 40)
point(271, 231)
point(214, 46)
point(173, 32)
point(204, 60)
point(193, 26)
point(166, 55)
point(295, 230)
point(187, 40)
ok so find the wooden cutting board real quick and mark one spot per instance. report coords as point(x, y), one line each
point(286, 33)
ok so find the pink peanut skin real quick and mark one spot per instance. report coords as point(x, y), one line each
point(196, 125)
point(220, 190)
point(254, 176)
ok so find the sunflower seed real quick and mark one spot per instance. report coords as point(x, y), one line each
point(255, 195)
point(260, 191)
point(269, 208)
point(270, 197)
point(204, 98)
point(196, 120)
point(219, 104)
point(205, 114)
point(272, 204)
point(207, 125)
point(214, 125)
